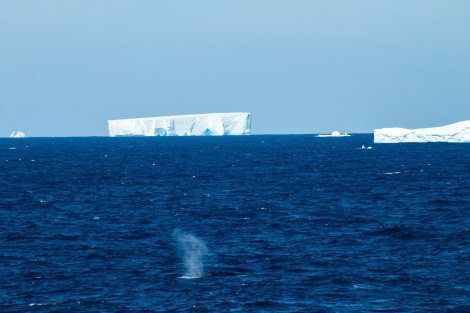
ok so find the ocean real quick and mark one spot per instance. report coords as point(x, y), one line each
point(260, 223)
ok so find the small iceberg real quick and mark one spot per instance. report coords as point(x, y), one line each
point(334, 134)
point(17, 134)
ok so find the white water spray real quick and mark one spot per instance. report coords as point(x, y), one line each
point(194, 250)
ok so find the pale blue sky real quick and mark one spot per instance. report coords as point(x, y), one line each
point(301, 67)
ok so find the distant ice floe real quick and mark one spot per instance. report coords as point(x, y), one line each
point(334, 134)
point(457, 132)
point(17, 134)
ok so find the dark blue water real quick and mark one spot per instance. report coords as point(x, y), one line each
point(233, 224)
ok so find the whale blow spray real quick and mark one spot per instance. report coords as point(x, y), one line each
point(194, 250)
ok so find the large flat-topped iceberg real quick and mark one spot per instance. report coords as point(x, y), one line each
point(457, 132)
point(210, 124)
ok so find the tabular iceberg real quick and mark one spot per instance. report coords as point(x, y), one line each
point(457, 132)
point(210, 124)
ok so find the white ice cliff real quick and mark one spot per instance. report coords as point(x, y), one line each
point(457, 132)
point(17, 134)
point(210, 124)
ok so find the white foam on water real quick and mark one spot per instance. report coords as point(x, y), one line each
point(190, 277)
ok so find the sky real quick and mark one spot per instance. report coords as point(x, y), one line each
point(299, 66)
